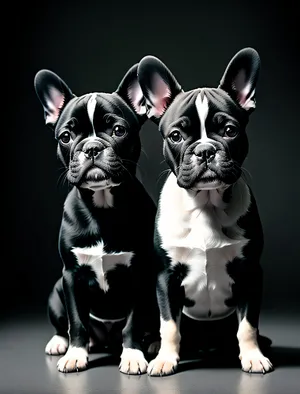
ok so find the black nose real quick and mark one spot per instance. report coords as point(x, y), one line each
point(206, 152)
point(92, 151)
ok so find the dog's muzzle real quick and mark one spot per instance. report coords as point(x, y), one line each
point(92, 149)
point(205, 152)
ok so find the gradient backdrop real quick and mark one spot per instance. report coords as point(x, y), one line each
point(91, 45)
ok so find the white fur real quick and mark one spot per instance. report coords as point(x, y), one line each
point(57, 345)
point(190, 226)
point(251, 357)
point(202, 110)
point(133, 361)
point(76, 358)
point(100, 261)
point(91, 106)
point(103, 198)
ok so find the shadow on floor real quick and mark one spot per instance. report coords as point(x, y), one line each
point(279, 356)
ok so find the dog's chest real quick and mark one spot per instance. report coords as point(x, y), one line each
point(192, 234)
point(101, 262)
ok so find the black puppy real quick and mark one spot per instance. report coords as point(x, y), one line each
point(106, 233)
point(208, 233)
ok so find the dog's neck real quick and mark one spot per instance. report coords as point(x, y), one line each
point(228, 204)
point(102, 198)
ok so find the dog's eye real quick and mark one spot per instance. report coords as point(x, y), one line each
point(119, 131)
point(230, 131)
point(175, 137)
point(65, 137)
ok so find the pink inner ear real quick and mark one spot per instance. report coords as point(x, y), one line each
point(160, 97)
point(135, 96)
point(243, 88)
point(54, 104)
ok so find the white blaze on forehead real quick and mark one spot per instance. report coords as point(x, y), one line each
point(202, 109)
point(91, 106)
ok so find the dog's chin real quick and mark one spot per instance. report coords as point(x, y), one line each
point(206, 181)
point(96, 179)
point(208, 184)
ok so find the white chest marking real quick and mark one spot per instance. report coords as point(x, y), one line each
point(190, 226)
point(100, 261)
point(91, 106)
point(103, 198)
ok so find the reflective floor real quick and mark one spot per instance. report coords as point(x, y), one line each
point(26, 369)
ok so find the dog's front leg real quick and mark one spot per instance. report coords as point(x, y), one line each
point(170, 300)
point(76, 294)
point(251, 357)
point(133, 361)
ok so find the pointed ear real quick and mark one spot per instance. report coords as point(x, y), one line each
point(240, 78)
point(53, 94)
point(158, 84)
point(131, 92)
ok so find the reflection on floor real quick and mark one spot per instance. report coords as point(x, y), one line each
point(26, 369)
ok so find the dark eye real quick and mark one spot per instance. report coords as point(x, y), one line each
point(119, 131)
point(175, 137)
point(230, 131)
point(65, 137)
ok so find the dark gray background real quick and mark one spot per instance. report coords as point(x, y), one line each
point(91, 45)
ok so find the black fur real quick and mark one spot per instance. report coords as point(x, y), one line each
point(99, 144)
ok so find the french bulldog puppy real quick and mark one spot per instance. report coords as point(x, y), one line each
point(105, 240)
point(208, 234)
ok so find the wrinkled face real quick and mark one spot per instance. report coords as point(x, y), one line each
point(97, 133)
point(204, 136)
point(98, 140)
point(205, 142)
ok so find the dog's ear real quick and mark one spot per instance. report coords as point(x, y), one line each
point(130, 91)
point(53, 93)
point(240, 78)
point(159, 86)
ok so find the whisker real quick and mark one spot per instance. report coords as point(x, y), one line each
point(162, 173)
point(142, 151)
point(62, 178)
point(121, 164)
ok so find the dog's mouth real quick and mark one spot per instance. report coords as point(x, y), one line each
point(94, 174)
point(207, 177)
point(95, 178)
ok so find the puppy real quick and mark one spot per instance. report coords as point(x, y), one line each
point(208, 234)
point(106, 234)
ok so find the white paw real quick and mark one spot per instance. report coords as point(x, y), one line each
point(163, 364)
point(76, 359)
point(133, 362)
point(57, 345)
point(253, 361)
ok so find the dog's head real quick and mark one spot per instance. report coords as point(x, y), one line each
point(205, 141)
point(97, 133)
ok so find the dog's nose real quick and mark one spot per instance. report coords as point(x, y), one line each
point(92, 151)
point(206, 152)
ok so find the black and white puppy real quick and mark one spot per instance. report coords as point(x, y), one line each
point(106, 233)
point(208, 234)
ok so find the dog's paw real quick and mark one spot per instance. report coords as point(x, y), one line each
point(133, 362)
point(163, 365)
point(253, 361)
point(57, 345)
point(75, 360)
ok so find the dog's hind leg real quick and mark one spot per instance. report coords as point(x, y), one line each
point(58, 344)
